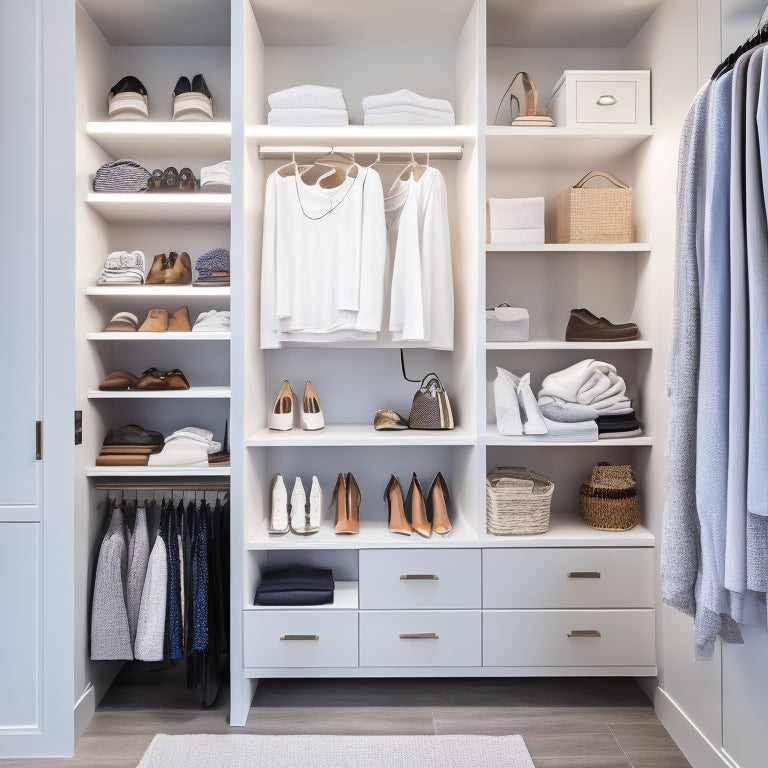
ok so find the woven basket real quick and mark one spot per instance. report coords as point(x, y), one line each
point(517, 502)
point(608, 500)
point(597, 214)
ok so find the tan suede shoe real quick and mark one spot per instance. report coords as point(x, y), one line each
point(156, 321)
point(179, 322)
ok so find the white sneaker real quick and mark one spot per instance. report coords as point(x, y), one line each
point(508, 419)
point(278, 523)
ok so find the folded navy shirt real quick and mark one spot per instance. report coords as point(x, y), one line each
point(297, 585)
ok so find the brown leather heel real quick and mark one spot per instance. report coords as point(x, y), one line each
point(438, 503)
point(346, 496)
point(393, 495)
point(415, 507)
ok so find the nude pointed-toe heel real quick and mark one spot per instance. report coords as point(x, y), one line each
point(416, 509)
point(438, 504)
point(346, 496)
point(393, 495)
point(283, 410)
point(311, 412)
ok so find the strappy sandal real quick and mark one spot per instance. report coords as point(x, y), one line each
point(155, 181)
point(187, 180)
point(170, 178)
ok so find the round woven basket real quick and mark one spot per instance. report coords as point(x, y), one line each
point(608, 500)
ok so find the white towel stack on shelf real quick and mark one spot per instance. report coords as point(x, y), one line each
point(405, 107)
point(308, 105)
point(187, 447)
point(516, 219)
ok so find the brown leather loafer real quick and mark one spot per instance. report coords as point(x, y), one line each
point(155, 322)
point(133, 436)
point(584, 326)
point(180, 271)
point(160, 265)
point(118, 380)
point(176, 379)
point(152, 379)
point(179, 322)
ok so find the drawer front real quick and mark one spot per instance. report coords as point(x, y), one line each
point(300, 638)
point(568, 638)
point(405, 580)
point(568, 578)
point(420, 639)
point(609, 101)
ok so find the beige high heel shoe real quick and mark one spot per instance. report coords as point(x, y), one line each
point(393, 495)
point(283, 410)
point(438, 503)
point(416, 509)
point(347, 497)
point(311, 412)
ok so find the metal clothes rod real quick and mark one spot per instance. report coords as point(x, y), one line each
point(160, 487)
point(274, 152)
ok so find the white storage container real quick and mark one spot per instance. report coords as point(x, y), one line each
point(594, 98)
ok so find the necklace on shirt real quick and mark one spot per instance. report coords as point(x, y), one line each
point(330, 201)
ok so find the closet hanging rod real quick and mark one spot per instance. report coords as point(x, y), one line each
point(275, 152)
point(161, 487)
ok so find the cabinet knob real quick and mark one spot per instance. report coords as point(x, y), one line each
point(606, 100)
point(584, 575)
point(300, 637)
point(584, 633)
point(419, 577)
point(420, 636)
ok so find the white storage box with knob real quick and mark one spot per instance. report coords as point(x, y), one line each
point(608, 98)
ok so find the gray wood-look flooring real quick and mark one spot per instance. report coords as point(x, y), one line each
point(565, 722)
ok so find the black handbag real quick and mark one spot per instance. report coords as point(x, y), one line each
point(431, 408)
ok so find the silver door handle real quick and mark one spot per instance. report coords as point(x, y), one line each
point(420, 636)
point(584, 575)
point(300, 637)
point(419, 577)
point(584, 633)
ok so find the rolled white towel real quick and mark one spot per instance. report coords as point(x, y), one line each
point(308, 97)
point(406, 118)
point(308, 117)
point(406, 97)
point(586, 382)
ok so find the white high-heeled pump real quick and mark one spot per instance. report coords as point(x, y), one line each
point(283, 413)
point(278, 522)
point(311, 412)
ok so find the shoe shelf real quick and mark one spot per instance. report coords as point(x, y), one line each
point(345, 598)
point(568, 248)
point(557, 148)
point(166, 336)
point(160, 291)
point(346, 435)
point(161, 207)
point(193, 393)
point(122, 139)
point(554, 344)
point(494, 437)
point(118, 471)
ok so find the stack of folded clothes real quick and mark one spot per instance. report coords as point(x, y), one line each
point(213, 267)
point(213, 321)
point(130, 445)
point(405, 107)
point(297, 585)
point(123, 268)
point(618, 426)
point(308, 105)
point(187, 447)
point(217, 177)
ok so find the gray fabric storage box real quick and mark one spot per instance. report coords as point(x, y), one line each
point(505, 323)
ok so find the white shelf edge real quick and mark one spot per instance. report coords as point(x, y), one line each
point(559, 132)
point(167, 336)
point(567, 247)
point(280, 135)
point(146, 291)
point(190, 200)
point(345, 598)
point(493, 437)
point(156, 128)
point(354, 435)
point(118, 471)
point(564, 345)
point(192, 393)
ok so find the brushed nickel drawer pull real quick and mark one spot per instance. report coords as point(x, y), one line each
point(584, 575)
point(300, 637)
point(584, 633)
point(420, 636)
point(419, 577)
point(607, 100)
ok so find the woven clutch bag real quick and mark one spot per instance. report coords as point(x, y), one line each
point(608, 500)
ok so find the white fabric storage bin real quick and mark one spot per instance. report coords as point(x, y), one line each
point(602, 98)
point(515, 220)
point(505, 323)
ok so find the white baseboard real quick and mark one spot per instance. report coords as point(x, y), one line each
point(698, 750)
point(85, 707)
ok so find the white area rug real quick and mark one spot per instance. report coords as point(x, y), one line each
point(200, 751)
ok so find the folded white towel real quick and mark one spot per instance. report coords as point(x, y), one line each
point(516, 212)
point(307, 97)
point(567, 432)
point(196, 436)
point(586, 382)
point(213, 321)
point(407, 118)
point(411, 110)
point(308, 117)
point(516, 236)
point(614, 406)
point(405, 97)
point(507, 405)
point(533, 423)
point(221, 173)
point(182, 453)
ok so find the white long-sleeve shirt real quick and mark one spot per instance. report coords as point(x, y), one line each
point(323, 258)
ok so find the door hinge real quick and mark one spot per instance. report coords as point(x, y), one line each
point(38, 440)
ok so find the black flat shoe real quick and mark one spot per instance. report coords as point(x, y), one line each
point(128, 99)
point(194, 102)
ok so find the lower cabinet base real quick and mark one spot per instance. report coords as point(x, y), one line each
point(480, 672)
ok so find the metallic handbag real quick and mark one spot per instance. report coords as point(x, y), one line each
point(431, 408)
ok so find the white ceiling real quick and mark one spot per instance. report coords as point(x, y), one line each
point(566, 23)
point(170, 22)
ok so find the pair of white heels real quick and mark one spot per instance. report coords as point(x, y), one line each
point(285, 413)
point(302, 515)
point(517, 411)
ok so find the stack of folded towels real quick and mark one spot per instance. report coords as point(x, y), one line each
point(123, 268)
point(308, 105)
point(212, 321)
point(213, 267)
point(405, 107)
point(215, 177)
point(187, 447)
point(297, 585)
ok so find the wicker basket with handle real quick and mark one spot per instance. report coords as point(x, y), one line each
point(595, 214)
point(608, 500)
point(517, 502)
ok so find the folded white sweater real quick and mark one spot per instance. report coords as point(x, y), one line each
point(587, 382)
point(307, 97)
point(404, 97)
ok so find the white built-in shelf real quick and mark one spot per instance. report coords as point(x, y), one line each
point(352, 435)
point(494, 437)
point(161, 207)
point(159, 291)
point(345, 598)
point(375, 534)
point(567, 247)
point(157, 472)
point(280, 141)
point(130, 138)
point(167, 336)
point(557, 148)
point(552, 344)
point(193, 393)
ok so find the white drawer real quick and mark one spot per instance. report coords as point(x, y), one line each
point(569, 638)
point(568, 578)
point(420, 639)
point(319, 638)
point(419, 578)
point(606, 102)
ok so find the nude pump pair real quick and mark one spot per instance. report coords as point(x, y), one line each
point(347, 497)
point(285, 412)
point(417, 513)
